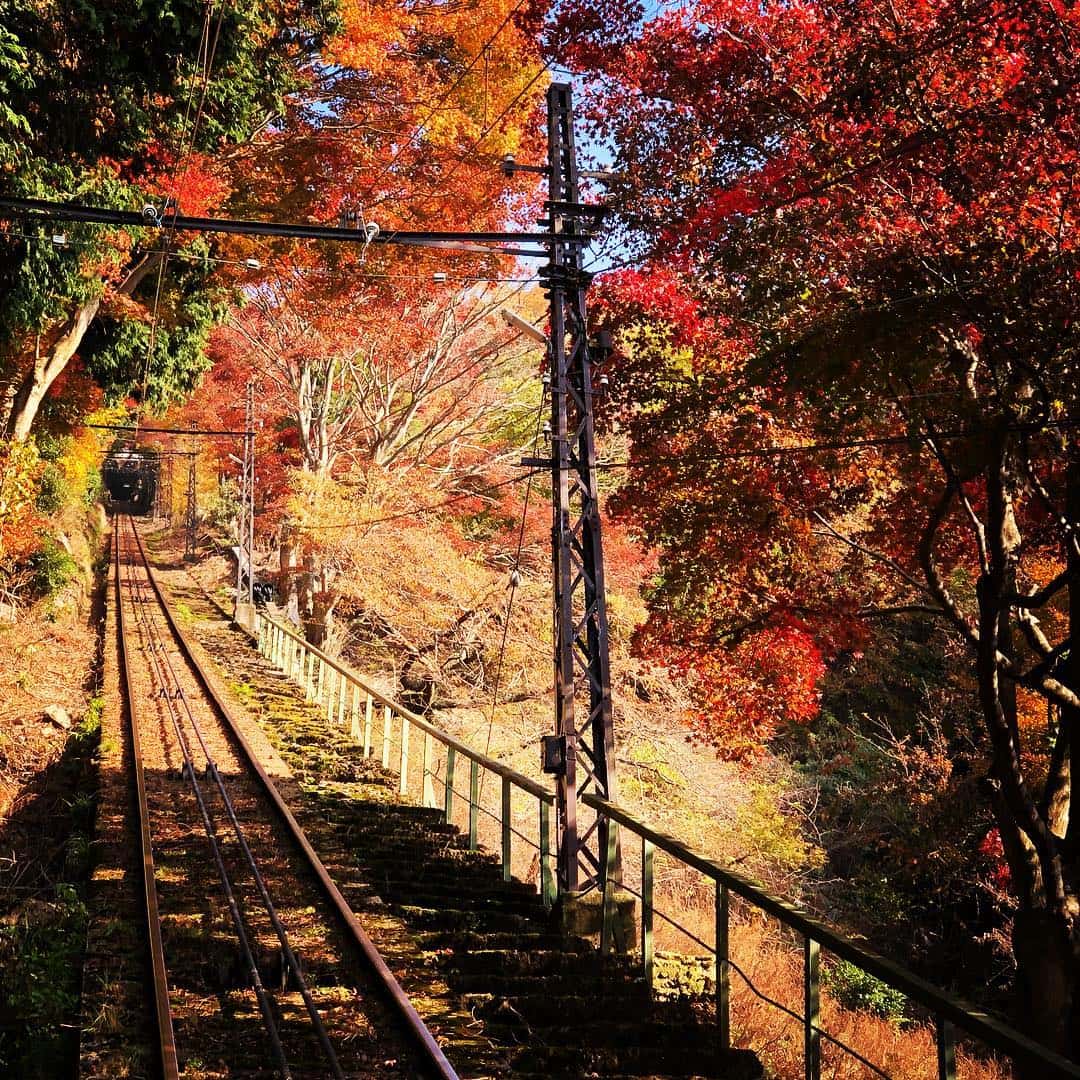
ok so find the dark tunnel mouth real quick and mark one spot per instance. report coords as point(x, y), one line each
point(132, 485)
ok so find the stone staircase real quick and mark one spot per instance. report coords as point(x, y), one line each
point(555, 1004)
point(486, 965)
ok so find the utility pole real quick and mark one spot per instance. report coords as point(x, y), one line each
point(166, 479)
point(189, 513)
point(582, 752)
point(244, 613)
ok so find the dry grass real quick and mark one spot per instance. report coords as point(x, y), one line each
point(774, 966)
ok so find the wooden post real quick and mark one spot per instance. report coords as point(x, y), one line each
point(368, 711)
point(403, 761)
point(332, 680)
point(387, 717)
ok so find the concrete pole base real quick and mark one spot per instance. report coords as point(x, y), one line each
point(582, 914)
point(244, 617)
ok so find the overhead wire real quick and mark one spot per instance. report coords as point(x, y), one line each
point(515, 580)
point(445, 96)
point(416, 510)
point(207, 53)
point(837, 445)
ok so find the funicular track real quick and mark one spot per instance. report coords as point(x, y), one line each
point(259, 968)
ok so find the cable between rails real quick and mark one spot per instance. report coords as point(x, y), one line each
point(166, 676)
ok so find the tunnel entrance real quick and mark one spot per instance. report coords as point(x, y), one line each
point(130, 475)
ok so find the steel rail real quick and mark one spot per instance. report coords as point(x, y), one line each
point(165, 662)
point(170, 1068)
point(261, 994)
point(435, 1061)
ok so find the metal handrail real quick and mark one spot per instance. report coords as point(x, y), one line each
point(518, 779)
point(270, 636)
point(948, 1010)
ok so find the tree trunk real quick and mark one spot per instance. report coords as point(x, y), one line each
point(47, 368)
point(288, 555)
point(1047, 979)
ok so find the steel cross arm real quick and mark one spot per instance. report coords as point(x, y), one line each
point(466, 241)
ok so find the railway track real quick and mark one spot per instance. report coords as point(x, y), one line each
point(259, 967)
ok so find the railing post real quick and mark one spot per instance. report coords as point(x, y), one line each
point(320, 685)
point(354, 720)
point(474, 802)
point(307, 667)
point(723, 968)
point(428, 789)
point(812, 1008)
point(331, 692)
point(403, 761)
point(504, 821)
point(946, 1049)
point(607, 925)
point(448, 793)
point(387, 716)
point(342, 706)
point(369, 709)
point(647, 852)
point(547, 881)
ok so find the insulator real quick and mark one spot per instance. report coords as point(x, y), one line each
point(546, 380)
point(547, 431)
point(604, 382)
point(59, 239)
point(438, 277)
point(253, 264)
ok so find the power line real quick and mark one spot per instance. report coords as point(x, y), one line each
point(477, 493)
point(810, 448)
point(434, 276)
point(207, 53)
point(468, 241)
point(418, 127)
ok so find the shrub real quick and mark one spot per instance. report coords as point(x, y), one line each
point(95, 488)
point(52, 567)
point(858, 990)
point(53, 490)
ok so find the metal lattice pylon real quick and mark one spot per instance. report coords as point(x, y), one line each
point(166, 480)
point(245, 554)
point(583, 711)
point(189, 511)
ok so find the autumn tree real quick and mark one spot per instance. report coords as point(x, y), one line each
point(858, 229)
point(379, 382)
point(140, 121)
point(298, 110)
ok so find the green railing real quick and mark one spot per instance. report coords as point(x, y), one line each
point(947, 1012)
point(387, 730)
